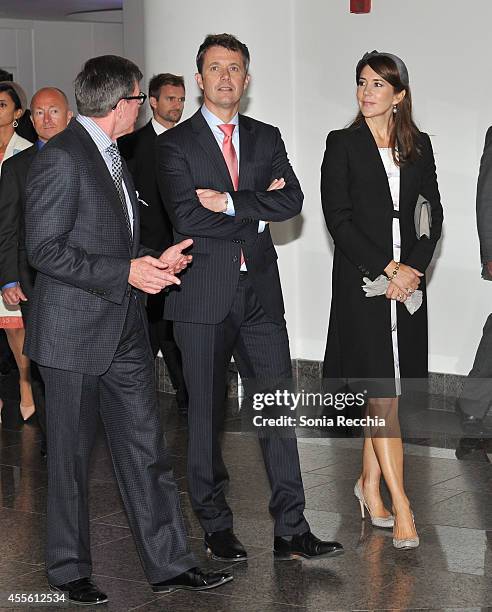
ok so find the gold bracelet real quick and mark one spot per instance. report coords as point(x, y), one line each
point(395, 270)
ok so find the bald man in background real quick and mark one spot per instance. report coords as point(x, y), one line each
point(50, 114)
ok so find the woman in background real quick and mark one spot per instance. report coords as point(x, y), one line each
point(11, 110)
point(371, 178)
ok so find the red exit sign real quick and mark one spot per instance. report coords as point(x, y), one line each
point(360, 6)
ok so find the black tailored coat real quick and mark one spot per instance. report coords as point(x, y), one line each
point(77, 239)
point(188, 158)
point(138, 149)
point(358, 210)
point(13, 258)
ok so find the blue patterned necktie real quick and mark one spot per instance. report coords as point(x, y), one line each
point(117, 176)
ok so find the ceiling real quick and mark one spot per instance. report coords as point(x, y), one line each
point(59, 9)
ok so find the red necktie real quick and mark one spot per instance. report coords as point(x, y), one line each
point(229, 153)
point(230, 158)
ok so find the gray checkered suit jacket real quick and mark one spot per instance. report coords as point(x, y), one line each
point(190, 158)
point(77, 239)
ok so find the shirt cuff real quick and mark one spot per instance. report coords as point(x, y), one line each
point(230, 210)
point(8, 285)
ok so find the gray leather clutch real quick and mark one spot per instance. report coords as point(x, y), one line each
point(423, 218)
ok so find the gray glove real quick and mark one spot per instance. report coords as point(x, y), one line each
point(379, 286)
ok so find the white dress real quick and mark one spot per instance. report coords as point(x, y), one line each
point(393, 174)
point(11, 316)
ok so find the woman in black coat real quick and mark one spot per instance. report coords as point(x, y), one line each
point(371, 178)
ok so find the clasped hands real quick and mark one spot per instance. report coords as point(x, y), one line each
point(216, 201)
point(404, 283)
point(151, 275)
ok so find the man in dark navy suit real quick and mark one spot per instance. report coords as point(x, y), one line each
point(166, 99)
point(50, 114)
point(223, 176)
point(476, 396)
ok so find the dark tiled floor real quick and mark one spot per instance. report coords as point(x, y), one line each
point(451, 570)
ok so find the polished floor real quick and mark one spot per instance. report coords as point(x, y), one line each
point(452, 500)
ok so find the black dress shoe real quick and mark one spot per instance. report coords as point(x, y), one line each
point(224, 546)
point(305, 545)
point(81, 592)
point(192, 580)
point(472, 425)
point(472, 449)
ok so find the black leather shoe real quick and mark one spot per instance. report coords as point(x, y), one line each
point(81, 592)
point(472, 449)
point(192, 580)
point(305, 545)
point(224, 546)
point(472, 425)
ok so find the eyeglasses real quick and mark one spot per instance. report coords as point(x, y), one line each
point(141, 99)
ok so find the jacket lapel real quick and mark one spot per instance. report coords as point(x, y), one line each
point(247, 149)
point(130, 187)
point(9, 151)
point(101, 173)
point(373, 156)
point(207, 141)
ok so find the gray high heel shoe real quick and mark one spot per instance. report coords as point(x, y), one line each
point(377, 521)
point(407, 543)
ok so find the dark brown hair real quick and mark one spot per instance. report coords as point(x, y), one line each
point(165, 78)
point(404, 134)
point(228, 41)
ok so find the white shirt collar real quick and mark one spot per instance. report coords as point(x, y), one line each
point(213, 120)
point(158, 127)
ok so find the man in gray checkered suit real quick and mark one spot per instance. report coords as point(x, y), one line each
point(88, 334)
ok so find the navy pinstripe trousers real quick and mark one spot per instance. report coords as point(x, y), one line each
point(261, 350)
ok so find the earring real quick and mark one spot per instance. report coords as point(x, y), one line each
point(395, 109)
point(15, 124)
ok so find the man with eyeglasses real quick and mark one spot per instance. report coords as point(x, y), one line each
point(88, 335)
point(166, 99)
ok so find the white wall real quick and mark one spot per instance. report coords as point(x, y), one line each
point(304, 54)
point(446, 48)
point(43, 53)
point(173, 33)
point(134, 34)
